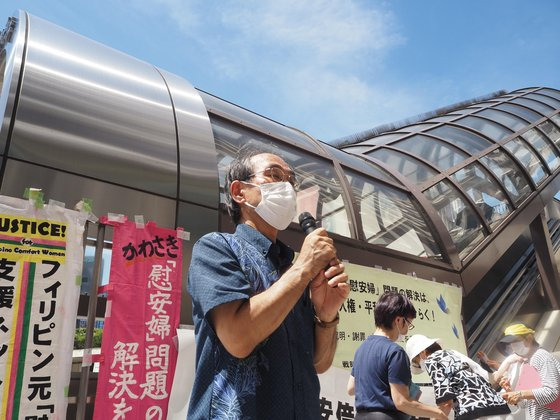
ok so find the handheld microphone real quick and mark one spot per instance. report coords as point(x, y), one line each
point(307, 222)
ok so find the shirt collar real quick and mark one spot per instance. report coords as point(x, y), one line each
point(277, 249)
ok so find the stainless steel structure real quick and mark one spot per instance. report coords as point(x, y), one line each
point(459, 198)
point(81, 119)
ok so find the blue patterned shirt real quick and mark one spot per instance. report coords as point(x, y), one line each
point(278, 380)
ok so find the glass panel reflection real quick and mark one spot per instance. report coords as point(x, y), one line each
point(484, 192)
point(466, 140)
point(520, 111)
point(390, 218)
point(542, 145)
point(537, 106)
point(468, 110)
point(382, 139)
point(485, 104)
point(551, 92)
point(556, 119)
point(411, 168)
point(357, 149)
point(511, 121)
point(438, 153)
point(88, 266)
point(417, 127)
point(488, 128)
point(509, 174)
point(528, 159)
point(361, 163)
point(554, 103)
point(459, 218)
point(551, 131)
point(319, 192)
point(443, 118)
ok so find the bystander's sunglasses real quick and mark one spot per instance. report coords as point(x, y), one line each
point(277, 174)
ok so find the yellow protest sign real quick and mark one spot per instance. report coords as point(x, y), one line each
point(438, 309)
point(34, 240)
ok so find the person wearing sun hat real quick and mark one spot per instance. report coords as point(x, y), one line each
point(542, 403)
point(380, 380)
point(514, 334)
point(459, 382)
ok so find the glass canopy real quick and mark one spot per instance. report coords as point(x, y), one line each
point(469, 169)
point(435, 189)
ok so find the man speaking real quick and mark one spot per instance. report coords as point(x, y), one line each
point(264, 326)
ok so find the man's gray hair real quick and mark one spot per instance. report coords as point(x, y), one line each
point(241, 169)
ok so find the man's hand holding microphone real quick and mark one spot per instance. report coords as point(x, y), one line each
point(329, 283)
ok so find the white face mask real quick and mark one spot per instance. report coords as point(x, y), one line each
point(278, 204)
point(416, 369)
point(520, 348)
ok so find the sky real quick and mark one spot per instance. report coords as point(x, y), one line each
point(329, 68)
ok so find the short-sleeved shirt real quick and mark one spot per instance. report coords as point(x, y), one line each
point(379, 362)
point(454, 379)
point(548, 368)
point(278, 380)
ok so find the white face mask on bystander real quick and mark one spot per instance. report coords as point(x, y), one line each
point(520, 348)
point(278, 204)
point(416, 368)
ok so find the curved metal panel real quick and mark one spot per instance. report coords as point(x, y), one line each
point(88, 109)
point(70, 189)
point(259, 123)
point(12, 49)
point(198, 171)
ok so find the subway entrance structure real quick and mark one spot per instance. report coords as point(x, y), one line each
point(467, 196)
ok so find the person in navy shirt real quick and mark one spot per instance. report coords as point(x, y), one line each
point(381, 377)
point(264, 327)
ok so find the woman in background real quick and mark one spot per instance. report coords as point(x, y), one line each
point(459, 382)
point(543, 402)
point(381, 377)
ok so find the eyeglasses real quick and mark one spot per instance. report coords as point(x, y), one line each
point(278, 174)
point(410, 324)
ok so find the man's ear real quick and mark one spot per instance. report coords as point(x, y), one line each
point(237, 191)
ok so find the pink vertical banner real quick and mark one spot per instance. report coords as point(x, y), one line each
point(138, 354)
